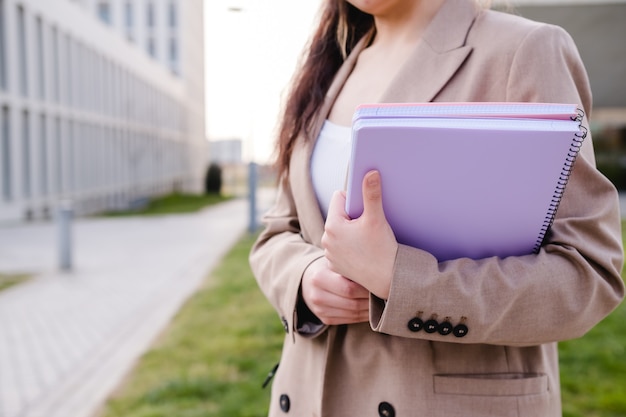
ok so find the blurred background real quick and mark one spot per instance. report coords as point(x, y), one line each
point(110, 102)
point(108, 105)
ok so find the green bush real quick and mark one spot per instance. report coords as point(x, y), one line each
point(614, 172)
point(213, 179)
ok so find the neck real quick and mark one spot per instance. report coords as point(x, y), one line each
point(404, 24)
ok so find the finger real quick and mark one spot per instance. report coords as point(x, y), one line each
point(338, 294)
point(372, 195)
point(334, 313)
point(341, 306)
point(351, 318)
point(337, 206)
point(349, 289)
point(342, 288)
point(329, 304)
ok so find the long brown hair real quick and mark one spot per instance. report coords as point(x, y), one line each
point(340, 27)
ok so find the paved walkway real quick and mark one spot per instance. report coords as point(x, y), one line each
point(67, 339)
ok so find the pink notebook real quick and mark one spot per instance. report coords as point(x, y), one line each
point(554, 111)
point(481, 185)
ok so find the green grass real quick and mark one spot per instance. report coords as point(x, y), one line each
point(593, 368)
point(214, 357)
point(218, 350)
point(9, 280)
point(174, 203)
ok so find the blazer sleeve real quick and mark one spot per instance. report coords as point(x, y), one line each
point(559, 293)
point(278, 260)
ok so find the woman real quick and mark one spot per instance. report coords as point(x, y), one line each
point(350, 296)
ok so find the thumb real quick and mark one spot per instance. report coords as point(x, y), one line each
point(337, 206)
point(372, 195)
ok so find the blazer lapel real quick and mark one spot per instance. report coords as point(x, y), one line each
point(437, 57)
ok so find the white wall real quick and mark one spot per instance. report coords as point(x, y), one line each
point(100, 123)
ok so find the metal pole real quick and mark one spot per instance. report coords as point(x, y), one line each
point(65, 215)
point(252, 187)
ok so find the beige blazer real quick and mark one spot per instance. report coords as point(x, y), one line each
point(490, 347)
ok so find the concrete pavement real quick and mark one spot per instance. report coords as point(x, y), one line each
point(68, 338)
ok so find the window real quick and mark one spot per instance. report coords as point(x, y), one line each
point(172, 15)
point(41, 64)
point(80, 159)
point(56, 72)
point(129, 17)
point(129, 20)
point(21, 38)
point(98, 87)
point(5, 148)
point(70, 158)
point(104, 12)
point(150, 18)
point(68, 70)
point(79, 80)
point(106, 91)
point(89, 79)
point(151, 47)
point(43, 155)
point(58, 150)
point(3, 77)
point(173, 52)
point(26, 154)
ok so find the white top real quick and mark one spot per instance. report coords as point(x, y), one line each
point(329, 162)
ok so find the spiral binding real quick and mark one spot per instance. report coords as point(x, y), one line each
point(577, 143)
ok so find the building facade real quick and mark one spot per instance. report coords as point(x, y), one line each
point(597, 27)
point(101, 103)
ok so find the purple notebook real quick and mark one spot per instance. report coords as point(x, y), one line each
point(471, 186)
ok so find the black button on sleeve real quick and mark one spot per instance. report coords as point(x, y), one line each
point(386, 410)
point(445, 328)
point(460, 330)
point(285, 403)
point(431, 326)
point(415, 324)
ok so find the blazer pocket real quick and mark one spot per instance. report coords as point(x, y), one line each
point(505, 384)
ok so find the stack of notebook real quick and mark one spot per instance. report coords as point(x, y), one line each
point(466, 179)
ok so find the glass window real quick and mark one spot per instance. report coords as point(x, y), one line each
point(79, 65)
point(3, 79)
point(41, 64)
point(150, 18)
point(151, 47)
point(5, 147)
point(21, 38)
point(104, 12)
point(70, 158)
point(56, 73)
point(88, 78)
point(173, 51)
point(129, 18)
point(129, 14)
point(69, 69)
point(43, 155)
point(58, 151)
point(26, 154)
point(172, 15)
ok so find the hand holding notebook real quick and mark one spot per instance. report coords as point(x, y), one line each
point(466, 179)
